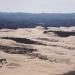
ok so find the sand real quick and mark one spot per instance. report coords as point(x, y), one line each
point(55, 55)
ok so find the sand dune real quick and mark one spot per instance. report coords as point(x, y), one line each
point(37, 51)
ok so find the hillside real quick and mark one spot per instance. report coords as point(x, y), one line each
point(38, 51)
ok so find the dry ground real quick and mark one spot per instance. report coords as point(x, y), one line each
point(37, 51)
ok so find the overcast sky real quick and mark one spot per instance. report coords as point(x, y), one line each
point(38, 6)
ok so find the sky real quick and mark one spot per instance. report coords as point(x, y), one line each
point(38, 6)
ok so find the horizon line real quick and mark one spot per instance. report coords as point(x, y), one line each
point(38, 12)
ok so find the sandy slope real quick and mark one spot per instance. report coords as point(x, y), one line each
point(22, 65)
point(56, 55)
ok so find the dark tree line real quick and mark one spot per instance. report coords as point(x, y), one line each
point(21, 20)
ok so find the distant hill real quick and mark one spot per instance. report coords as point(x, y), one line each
point(21, 20)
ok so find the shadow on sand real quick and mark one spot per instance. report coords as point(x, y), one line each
point(69, 73)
